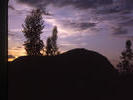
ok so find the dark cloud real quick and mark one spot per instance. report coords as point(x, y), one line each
point(108, 6)
point(11, 7)
point(108, 11)
point(127, 23)
point(11, 56)
point(82, 26)
point(82, 4)
point(77, 25)
point(18, 11)
point(124, 6)
point(11, 34)
point(100, 6)
point(120, 31)
point(130, 37)
point(128, 4)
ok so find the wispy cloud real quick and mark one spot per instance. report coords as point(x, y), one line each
point(11, 7)
point(81, 4)
point(120, 31)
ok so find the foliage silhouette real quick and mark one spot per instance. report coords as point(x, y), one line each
point(32, 30)
point(51, 44)
point(48, 46)
point(126, 64)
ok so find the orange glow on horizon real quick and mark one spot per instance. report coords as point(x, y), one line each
point(16, 53)
point(10, 59)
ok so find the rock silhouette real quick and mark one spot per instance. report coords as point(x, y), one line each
point(76, 74)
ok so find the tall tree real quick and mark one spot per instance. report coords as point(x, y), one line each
point(52, 48)
point(32, 30)
point(49, 47)
point(54, 41)
point(126, 63)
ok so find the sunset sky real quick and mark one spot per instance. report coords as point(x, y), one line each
point(99, 25)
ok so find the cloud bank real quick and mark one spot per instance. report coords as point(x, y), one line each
point(81, 4)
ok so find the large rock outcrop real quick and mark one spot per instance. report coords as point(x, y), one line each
point(76, 74)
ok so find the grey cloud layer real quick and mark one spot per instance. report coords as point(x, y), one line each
point(77, 25)
point(120, 31)
point(82, 4)
point(102, 7)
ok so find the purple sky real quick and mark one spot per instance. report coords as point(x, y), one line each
point(99, 25)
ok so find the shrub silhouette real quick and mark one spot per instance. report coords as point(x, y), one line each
point(32, 30)
point(51, 44)
point(126, 59)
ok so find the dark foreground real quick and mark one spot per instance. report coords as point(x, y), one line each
point(77, 74)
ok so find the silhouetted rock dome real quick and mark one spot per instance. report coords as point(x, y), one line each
point(77, 73)
point(76, 60)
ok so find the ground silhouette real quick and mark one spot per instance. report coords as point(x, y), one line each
point(76, 74)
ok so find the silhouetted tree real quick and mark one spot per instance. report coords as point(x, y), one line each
point(51, 45)
point(32, 30)
point(126, 64)
point(54, 41)
point(48, 46)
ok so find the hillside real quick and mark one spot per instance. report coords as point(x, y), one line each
point(76, 74)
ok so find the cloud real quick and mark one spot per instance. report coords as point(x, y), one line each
point(124, 6)
point(19, 47)
point(11, 56)
point(107, 6)
point(10, 34)
point(130, 37)
point(75, 24)
point(82, 26)
point(127, 23)
point(100, 8)
point(127, 4)
point(120, 31)
point(17, 11)
point(107, 10)
point(81, 4)
point(11, 7)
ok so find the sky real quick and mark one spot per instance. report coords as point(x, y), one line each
point(99, 25)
